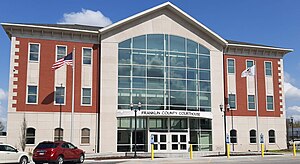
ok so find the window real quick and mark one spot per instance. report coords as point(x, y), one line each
point(271, 136)
point(32, 94)
point(85, 136)
point(252, 136)
point(251, 102)
point(87, 56)
point(230, 65)
point(30, 135)
point(231, 101)
point(164, 72)
point(34, 50)
point(61, 51)
point(233, 134)
point(270, 103)
point(58, 134)
point(86, 96)
point(250, 63)
point(178, 123)
point(7, 148)
point(268, 68)
point(60, 95)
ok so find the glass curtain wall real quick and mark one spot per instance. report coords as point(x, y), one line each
point(164, 72)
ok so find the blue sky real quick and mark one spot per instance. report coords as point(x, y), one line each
point(268, 22)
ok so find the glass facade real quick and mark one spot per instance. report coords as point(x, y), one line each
point(164, 72)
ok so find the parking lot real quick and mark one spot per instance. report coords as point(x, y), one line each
point(272, 159)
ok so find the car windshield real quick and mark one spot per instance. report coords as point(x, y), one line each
point(47, 145)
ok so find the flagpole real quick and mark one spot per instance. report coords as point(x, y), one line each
point(256, 106)
point(73, 86)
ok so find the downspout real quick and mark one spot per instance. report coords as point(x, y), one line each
point(98, 93)
point(224, 89)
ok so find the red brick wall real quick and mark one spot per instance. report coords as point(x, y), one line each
point(46, 77)
point(241, 86)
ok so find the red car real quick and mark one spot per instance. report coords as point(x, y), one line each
point(57, 152)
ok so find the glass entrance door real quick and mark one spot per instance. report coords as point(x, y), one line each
point(169, 142)
point(179, 141)
point(160, 141)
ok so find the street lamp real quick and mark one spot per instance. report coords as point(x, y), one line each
point(224, 110)
point(135, 110)
point(292, 123)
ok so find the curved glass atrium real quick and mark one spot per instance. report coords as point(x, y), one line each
point(164, 72)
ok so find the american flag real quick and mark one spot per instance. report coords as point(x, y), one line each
point(68, 60)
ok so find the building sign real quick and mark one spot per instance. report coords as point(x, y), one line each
point(164, 113)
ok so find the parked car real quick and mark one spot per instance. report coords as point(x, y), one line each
point(9, 154)
point(57, 152)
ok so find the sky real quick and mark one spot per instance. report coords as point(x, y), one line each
point(268, 22)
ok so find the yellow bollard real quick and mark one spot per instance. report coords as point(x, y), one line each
point(191, 151)
point(262, 150)
point(294, 149)
point(228, 150)
point(152, 151)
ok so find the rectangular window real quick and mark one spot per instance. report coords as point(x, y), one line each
point(230, 65)
point(86, 96)
point(252, 136)
point(60, 95)
point(87, 56)
point(58, 134)
point(32, 94)
point(270, 103)
point(85, 136)
point(268, 68)
point(34, 50)
point(233, 136)
point(250, 63)
point(251, 102)
point(272, 138)
point(61, 51)
point(231, 101)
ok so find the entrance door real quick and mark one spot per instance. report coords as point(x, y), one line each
point(160, 141)
point(169, 142)
point(179, 141)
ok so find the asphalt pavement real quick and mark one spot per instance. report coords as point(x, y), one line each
point(268, 159)
point(271, 159)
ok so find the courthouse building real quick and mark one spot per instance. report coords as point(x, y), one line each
point(180, 71)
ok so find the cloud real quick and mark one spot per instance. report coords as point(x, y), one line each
point(291, 92)
point(86, 17)
point(3, 94)
point(288, 78)
point(294, 111)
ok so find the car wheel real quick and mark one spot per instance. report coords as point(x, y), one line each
point(60, 160)
point(81, 158)
point(23, 160)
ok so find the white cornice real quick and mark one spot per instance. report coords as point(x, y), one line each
point(47, 27)
point(261, 47)
point(172, 7)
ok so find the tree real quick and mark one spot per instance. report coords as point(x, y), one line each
point(23, 134)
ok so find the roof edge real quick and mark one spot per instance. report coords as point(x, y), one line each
point(166, 4)
point(47, 27)
point(263, 47)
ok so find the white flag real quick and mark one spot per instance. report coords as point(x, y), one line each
point(249, 72)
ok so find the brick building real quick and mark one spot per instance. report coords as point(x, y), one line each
point(180, 71)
